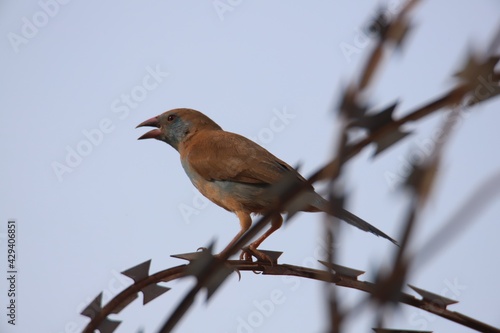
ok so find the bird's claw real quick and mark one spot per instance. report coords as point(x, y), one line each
point(250, 251)
point(202, 249)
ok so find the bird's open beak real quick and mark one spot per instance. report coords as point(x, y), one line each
point(153, 134)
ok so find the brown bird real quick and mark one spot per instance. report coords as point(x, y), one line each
point(236, 173)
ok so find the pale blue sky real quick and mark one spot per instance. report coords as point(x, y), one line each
point(108, 66)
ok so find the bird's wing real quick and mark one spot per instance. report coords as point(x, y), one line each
point(220, 155)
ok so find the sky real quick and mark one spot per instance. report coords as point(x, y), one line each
point(91, 201)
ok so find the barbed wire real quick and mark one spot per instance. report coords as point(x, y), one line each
point(342, 276)
point(383, 131)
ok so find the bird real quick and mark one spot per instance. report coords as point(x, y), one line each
point(237, 174)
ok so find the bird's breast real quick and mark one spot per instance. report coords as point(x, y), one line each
point(230, 195)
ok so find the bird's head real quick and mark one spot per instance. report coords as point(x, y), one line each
point(175, 126)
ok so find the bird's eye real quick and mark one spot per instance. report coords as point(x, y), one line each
point(171, 117)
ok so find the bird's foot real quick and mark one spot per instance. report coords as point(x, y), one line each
point(250, 251)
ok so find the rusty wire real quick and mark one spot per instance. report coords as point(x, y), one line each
point(342, 277)
point(383, 131)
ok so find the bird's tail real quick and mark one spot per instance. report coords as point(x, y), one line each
point(320, 204)
point(358, 222)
